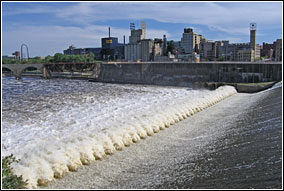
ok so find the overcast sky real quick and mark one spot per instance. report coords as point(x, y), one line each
point(50, 27)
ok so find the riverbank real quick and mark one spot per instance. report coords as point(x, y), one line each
point(236, 143)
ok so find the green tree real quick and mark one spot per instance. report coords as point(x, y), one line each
point(91, 57)
point(57, 57)
point(9, 179)
point(170, 47)
point(221, 59)
point(48, 59)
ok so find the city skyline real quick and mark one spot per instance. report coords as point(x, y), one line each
point(49, 27)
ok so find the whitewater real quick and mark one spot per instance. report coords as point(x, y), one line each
point(56, 126)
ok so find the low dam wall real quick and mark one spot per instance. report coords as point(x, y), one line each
point(187, 74)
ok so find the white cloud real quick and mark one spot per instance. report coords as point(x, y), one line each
point(228, 17)
point(231, 19)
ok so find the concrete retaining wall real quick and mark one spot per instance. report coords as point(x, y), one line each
point(186, 74)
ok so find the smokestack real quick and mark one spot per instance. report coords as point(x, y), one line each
point(109, 32)
point(124, 39)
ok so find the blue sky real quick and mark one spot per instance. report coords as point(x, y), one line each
point(50, 27)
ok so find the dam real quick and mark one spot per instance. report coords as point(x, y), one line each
point(185, 74)
point(182, 74)
point(218, 148)
point(63, 125)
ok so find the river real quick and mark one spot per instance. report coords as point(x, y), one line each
point(55, 126)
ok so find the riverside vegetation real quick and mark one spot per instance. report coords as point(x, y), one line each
point(58, 57)
point(9, 179)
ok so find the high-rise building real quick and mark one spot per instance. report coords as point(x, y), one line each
point(198, 40)
point(138, 34)
point(138, 48)
point(278, 50)
point(246, 51)
point(165, 53)
point(190, 41)
point(158, 48)
point(222, 50)
point(208, 50)
point(235, 48)
point(267, 50)
point(253, 37)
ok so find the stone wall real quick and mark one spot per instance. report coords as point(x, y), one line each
point(185, 74)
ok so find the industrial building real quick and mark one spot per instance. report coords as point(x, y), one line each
point(72, 50)
point(111, 49)
point(133, 50)
point(239, 48)
point(246, 51)
point(192, 47)
point(218, 50)
point(17, 55)
point(141, 49)
point(223, 50)
point(272, 51)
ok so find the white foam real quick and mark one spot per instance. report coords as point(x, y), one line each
point(80, 129)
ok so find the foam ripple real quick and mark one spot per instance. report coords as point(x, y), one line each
point(55, 158)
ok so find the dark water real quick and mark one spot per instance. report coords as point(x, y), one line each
point(249, 155)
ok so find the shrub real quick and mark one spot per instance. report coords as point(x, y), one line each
point(9, 179)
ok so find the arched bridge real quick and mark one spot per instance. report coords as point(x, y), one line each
point(17, 69)
point(46, 68)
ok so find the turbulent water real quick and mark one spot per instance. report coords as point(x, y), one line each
point(235, 144)
point(56, 126)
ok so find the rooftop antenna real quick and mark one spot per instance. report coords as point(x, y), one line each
point(108, 32)
point(132, 26)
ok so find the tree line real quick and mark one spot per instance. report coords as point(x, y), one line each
point(57, 58)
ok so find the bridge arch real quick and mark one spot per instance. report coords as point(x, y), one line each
point(30, 68)
point(37, 67)
point(6, 69)
point(18, 69)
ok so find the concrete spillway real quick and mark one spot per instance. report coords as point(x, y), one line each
point(54, 158)
point(236, 144)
